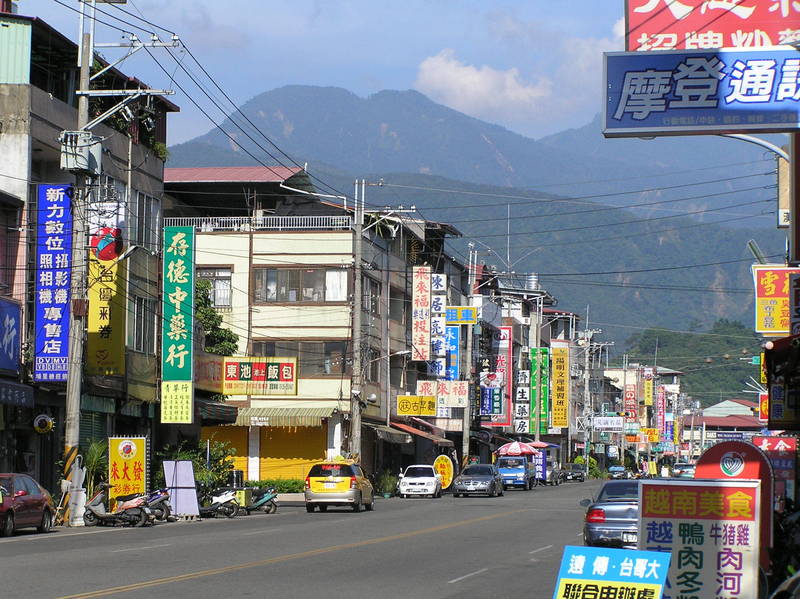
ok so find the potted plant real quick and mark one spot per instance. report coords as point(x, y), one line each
point(387, 483)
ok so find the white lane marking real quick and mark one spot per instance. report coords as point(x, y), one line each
point(140, 548)
point(258, 532)
point(540, 549)
point(460, 578)
point(579, 534)
point(52, 536)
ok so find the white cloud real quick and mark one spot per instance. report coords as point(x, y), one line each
point(477, 91)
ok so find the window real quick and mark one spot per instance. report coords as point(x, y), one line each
point(300, 285)
point(397, 306)
point(9, 236)
point(220, 279)
point(371, 293)
point(145, 221)
point(314, 358)
point(142, 327)
point(373, 363)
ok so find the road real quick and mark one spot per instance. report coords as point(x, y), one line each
point(422, 548)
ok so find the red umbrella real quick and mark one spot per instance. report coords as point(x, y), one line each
point(516, 448)
point(538, 444)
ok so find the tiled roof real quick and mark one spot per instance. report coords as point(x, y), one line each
point(230, 174)
point(732, 421)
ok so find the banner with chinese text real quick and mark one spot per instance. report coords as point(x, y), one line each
point(540, 387)
point(105, 341)
point(127, 466)
point(416, 405)
point(559, 377)
point(772, 299)
point(421, 313)
point(259, 376)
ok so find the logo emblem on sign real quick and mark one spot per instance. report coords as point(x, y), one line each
point(126, 449)
point(732, 464)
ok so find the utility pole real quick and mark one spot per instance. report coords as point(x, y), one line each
point(356, 381)
point(466, 424)
point(537, 341)
point(588, 409)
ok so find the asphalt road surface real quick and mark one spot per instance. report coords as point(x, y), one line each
point(407, 548)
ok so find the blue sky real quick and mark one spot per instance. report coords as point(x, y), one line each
point(533, 66)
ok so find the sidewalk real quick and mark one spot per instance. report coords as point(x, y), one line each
point(291, 499)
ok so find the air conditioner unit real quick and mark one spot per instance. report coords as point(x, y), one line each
point(81, 152)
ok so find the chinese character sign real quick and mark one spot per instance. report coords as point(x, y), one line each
point(127, 465)
point(540, 387)
point(772, 299)
point(559, 377)
point(53, 278)
point(105, 343)
point(504, 367)
point(631, 405)
point(661, 408)
point(178, 321)
point(611, 573)
point(9, 336)
point(259, 376)
point(457, 315)
point(452, 341)
point(711, 529)
point(700, 24)
point(663, 93)
point(782, 454)
point(648, 391)
point(416, 405)
point(421, 313)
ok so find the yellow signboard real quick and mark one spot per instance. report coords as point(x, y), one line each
point(461, 315)
point(772, 299)
point(652, 434)
point(648, 392)
point(416, 405)
point(127, 465)
point(443, 466)
point(559, 381)
point(105, 343)
point(177, 402)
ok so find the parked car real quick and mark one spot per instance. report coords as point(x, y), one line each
point(575, 472)
point(478, 479)
point(683, 470)
point(555, 476)
point(517, 471)
point(24, 503)
point(420, 480)
point(612, 518)
point(338, 483)
point(618, 472)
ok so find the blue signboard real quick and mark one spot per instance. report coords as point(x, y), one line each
point(605, 572)
point(452, 341)
point(9, 336)
point(701, 91)
point(53, 277)
point(491, 401)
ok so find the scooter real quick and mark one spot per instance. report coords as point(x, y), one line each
point(158, 503)
point(264, 500)
point(223, 501)
point(131, 510)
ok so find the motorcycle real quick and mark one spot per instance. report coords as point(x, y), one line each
point(223, 501)
point(131, 509)
point(264, 500)
point(158, 503)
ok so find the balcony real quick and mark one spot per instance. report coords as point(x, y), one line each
point(207, 224)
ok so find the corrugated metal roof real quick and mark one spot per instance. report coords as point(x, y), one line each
point(732, 421)
point(15, 50)
point(283, 416)
point(230, 174)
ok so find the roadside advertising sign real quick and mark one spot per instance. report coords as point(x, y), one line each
point(416, 405)
point(794, 303)
point(606, 572)
point(208, 370)
point(711, 529)
point(522, 403)
point(763, 407)
point(105, 326)
point(661, 409)
point(177, 343)
point(772, 299)
point(651, 434)
point(540, 387)
point(648, 392)
point(608, 423)
point(690, 24)
point(10, 335)
point(127, 465)
point(631, 405)
point(421, 313)
point(504, 370)
point(449, 394)
point(452, 342)
point(259, 376)
point(53, 281)
point(700, 91)
point(443, 466)
point(782, 454)
point(560, 384)
point(457, 315)
point(438, 326)
point(491, 402)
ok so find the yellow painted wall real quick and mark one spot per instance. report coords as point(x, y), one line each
point(235, 435)
point(290, 452)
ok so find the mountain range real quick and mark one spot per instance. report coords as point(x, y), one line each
point(619, 225)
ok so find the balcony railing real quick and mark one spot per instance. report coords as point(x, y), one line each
point(205, 224)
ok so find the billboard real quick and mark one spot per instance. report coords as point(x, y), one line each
point(259, 376)
point(127, 465)
point(559, 377)
point(772, 299)
point(105, 341)
point(421, 314)
point(699, 24)
point(696, 92)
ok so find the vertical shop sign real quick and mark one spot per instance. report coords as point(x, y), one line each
point(452, 341)
point(772, 299)
point(421, 314)
point(782, 454)
point(648, 374)
point(560, 384)
point(522, 402)
point(105, 343)
point(504, 368)
point(177, 392)
point(661, 408)
point(9, 336)
point(544, 389)
point(53, 278)
point(711, 528)
point(127, 465)
point(631, 405)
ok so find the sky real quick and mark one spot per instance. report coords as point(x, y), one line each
point(532, 66)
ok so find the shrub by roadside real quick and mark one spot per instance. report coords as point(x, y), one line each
point(282, 485)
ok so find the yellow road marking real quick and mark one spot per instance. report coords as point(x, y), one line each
point(281, 558)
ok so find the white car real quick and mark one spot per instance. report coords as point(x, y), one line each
point(420, 480)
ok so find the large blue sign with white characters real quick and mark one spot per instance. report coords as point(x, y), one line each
point(452, 342)
point(605, 572)
point(53, 277)
point(9, 336)
point(701, 91)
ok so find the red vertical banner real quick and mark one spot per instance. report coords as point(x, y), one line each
point(421, 314)
point(661, 409)
point(504, 367)
point(631, 405)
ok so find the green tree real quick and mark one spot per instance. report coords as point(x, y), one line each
point(219, 340)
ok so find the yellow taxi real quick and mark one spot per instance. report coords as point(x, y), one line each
point(338, 482)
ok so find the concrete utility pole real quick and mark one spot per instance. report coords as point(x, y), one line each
point(537, 341)
point(466, 423)
point(356, 381)
point(794, 205)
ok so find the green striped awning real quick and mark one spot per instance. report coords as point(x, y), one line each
point(282, 416)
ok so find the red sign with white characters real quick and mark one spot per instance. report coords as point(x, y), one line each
point(701, 24)
point(782, 453)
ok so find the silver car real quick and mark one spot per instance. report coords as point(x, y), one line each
point(478, 479)
point(612, 518)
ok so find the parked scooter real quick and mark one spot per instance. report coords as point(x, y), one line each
point(158, 502)
point(131, 509)
point(223, 502)
point(264, 500)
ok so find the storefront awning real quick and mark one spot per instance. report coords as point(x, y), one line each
point(441, 441)
point(389, 434)
point(282, 416)
point(215, 412)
